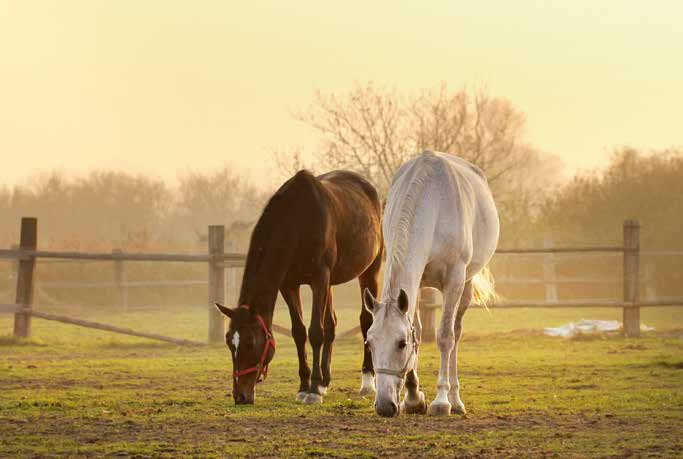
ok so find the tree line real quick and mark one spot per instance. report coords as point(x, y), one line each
point(372, 130)
point(108, 209)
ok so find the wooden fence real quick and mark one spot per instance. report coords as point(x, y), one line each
point(27, 253)
point(631, 280)
point(218, 261)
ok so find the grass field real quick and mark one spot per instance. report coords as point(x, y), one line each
point(76, 392)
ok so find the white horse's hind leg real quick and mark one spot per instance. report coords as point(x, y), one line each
point(445, 338)
point(457, 406)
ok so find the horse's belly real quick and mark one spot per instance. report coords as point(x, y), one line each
point(353, 261)
point(433, 275)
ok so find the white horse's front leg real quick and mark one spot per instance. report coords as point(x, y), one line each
point(457, 406)
point(446, 341)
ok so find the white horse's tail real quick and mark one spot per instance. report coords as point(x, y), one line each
point(483, 287)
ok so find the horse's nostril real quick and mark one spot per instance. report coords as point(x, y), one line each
point(387, 409)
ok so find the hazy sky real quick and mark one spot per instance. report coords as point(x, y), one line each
point(165, 86)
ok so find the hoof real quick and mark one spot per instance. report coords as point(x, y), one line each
point(418, 406)
point(301, 396)
point(322, 390)
point(367, 391)
point(439, 409)
point(367, 384)
point(458, 408)
point(313, 399)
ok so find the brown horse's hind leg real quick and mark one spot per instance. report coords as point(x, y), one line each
point(330, 325)
point(293, 300)
point(316, 334)
point(368, 280)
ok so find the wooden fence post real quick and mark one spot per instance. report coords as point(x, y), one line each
point(549, 273)
point(427, 301)
point(28, 241)
point(121, 281)
point(631, 266)
point(216, 283)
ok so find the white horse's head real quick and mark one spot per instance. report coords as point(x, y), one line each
point(393, 345)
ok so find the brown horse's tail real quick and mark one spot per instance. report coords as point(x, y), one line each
point(483, 286)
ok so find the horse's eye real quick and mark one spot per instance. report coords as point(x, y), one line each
point(402, 344)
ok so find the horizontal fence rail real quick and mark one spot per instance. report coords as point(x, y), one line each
point(563, 250)
point(122, 256)
point(218, 260)
point(9, 308)
point(72, 285)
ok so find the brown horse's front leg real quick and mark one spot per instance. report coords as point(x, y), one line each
point(293, 300)
point(368, 280)
point(316, 334)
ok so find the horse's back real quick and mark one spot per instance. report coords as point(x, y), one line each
point(476, 208)
point(456, 192)
point(356, 217)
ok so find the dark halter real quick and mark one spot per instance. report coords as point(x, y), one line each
point(260, 369)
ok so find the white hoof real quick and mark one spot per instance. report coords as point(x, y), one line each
point(312, 399)
point(367, 384)
point(458, 408)
point(439, 408)
point(418, 406)
point(301, 396)
point(322, 390)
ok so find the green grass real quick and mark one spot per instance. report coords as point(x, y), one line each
point(70, 391)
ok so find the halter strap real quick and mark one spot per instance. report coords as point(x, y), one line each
point(260, 369)
point(411, 358)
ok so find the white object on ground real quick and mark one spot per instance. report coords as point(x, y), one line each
point(585, 326)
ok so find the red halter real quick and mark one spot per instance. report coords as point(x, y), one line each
point(260, 369)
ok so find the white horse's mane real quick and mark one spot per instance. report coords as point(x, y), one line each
point(429, 167)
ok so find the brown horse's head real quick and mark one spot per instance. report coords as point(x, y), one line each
point(252, 347)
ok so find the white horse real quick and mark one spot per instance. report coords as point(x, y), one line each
point(441, 229)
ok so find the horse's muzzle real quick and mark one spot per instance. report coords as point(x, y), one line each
point(386, 408)
point(244, 399)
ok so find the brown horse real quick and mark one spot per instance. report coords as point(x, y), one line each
point(319, 231)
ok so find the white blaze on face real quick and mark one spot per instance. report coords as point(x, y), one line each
point(236, 341)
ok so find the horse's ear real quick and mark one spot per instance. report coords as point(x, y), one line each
point(369, 301)
point(403, 301)
point(226, 311)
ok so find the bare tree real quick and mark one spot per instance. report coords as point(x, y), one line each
point(290, 161)
point(373, 130)
point(364, 130)
point(485, 130)
point(222, 197)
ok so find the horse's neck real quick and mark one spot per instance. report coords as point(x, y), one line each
point(261, 283)
point(261, 302)
point(407, 260)
point(407, 278)
point(407, 272)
